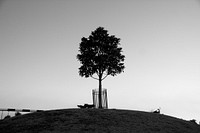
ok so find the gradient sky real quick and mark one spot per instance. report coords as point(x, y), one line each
point(39, 41)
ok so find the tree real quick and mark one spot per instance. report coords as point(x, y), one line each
point(100, 54)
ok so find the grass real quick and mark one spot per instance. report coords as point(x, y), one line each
point(96, 120)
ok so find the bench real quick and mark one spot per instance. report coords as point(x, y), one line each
point(86, 106)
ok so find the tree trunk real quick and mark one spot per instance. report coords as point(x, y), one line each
point(100, 92)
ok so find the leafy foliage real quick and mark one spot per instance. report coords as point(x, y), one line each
point(100, 54)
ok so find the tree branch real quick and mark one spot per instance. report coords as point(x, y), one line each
point(104, 77)
point(94, 77)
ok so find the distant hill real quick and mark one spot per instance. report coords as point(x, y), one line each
point(96, 120)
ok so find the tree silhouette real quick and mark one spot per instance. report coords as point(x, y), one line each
point(100, 54)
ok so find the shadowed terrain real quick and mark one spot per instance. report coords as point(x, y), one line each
point(96, 120)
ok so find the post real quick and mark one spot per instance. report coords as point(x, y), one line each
point(93, 97)
point(2, 115)
point(106, 99)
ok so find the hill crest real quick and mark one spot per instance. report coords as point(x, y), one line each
point(96, 120)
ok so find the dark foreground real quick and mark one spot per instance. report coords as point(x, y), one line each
point(96, 120)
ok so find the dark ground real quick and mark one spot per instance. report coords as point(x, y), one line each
point(96, 121)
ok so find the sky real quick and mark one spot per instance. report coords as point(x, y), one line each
point(39, 41)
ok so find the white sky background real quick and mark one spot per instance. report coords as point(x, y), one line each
point(39, 41)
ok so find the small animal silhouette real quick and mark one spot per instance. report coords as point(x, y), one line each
point(157, 111)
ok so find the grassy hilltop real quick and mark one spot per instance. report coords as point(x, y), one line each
point(96, 120)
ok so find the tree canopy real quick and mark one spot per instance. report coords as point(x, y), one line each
point(100, 54)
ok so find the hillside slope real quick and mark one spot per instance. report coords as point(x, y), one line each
point(96, 120)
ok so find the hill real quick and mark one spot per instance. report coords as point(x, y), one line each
point(96, 120)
